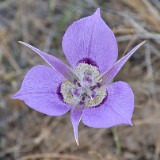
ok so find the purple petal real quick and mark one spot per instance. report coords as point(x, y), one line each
point(39, 91)
point(76, 113)
point(54, 62)
point(111, 73)
point(117, 109)
point(90, 38)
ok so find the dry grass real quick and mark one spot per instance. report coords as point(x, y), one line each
point(28, 135)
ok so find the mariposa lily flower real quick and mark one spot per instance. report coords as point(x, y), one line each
point(84, 87)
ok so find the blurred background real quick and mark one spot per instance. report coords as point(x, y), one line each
point(28, 135)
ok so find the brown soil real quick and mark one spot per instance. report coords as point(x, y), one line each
point(28, 135)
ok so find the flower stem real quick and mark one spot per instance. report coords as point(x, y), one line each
point(117, 141)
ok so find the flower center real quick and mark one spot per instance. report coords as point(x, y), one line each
point(87, 90)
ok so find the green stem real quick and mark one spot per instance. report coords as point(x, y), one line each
point(117, 141)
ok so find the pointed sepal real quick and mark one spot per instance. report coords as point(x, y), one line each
point(112, 72)
point(76, 114)
point(54, 62)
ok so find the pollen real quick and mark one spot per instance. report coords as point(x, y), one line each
point(86, 90)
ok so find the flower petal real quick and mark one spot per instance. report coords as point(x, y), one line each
point(111, 73)
point(54, 62)
point(90, 38)
point(117, 109)
point(76, 113)
point(39, 91)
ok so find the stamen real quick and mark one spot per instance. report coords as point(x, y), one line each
point(87, 91)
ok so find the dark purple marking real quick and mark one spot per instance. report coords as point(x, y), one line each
point(88, 73)
point(93, 94)
point(93, 87)
point(81, 103)
point(87, 79)
point(88, 61)
point(83, 98)
point(98, 85)
point(105, 98)
point(76, 92)
point(59, 93)
point(77, 83)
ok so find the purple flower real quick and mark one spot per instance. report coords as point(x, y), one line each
point(91, 48)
